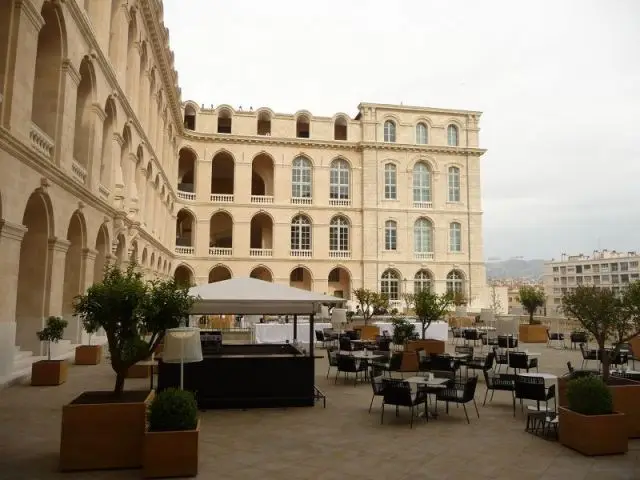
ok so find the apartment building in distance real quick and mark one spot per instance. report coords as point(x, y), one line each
point(103, 163)
point(603, 268)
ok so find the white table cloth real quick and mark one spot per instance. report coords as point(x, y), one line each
point(436, 331)
point(281, 332)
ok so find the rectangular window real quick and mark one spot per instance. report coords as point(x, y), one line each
point(633, 265)
point(578, 268)
point(624, 266)
point(604, 268)
point(454, 184)
point(390, 185)
point(390, 238)
point(614, 267)
point(596, 268)
point(555, 269)
point(624, 278)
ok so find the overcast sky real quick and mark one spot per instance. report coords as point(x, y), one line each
point(558, 82)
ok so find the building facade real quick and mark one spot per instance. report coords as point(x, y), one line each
point(609, 269)
point(102, 163)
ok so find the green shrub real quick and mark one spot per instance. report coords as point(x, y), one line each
point(403, 331)
point(52, 333)
point(589, 396)
point(173, 410)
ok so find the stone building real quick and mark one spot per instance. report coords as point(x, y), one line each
point(102, 163)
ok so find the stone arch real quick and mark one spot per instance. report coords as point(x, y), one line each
point(152, 262)
point(47, 86)
point(301, 277)
point(121, 249)
point(219, 273)
point(102, 249)
point(262, 175)
point(145, 255)
point(108, 130)
point(223, 166)
point(187, 164)
point(262, 272)
point(183, 275)
point(221, 230)
point(74, 273)
point(85, 98)
point(339, 282)
point(34, 286)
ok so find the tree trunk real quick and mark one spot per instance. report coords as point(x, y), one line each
point(120, 378)
point(49, 351)
point(531, 317)
point(605, 361)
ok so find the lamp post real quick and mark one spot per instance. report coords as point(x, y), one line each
point(182, 345)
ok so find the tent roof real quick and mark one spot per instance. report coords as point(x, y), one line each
point(250, 296)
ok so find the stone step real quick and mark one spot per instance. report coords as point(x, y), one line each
point(21, 354)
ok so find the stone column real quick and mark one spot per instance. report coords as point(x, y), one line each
point(119, 35)
point(142, 195)
point(17, 113)
point(118, 177)
point(10, 241)
point(134, 205)
point(58, 248)
point(152, 115)
point(95, 162)
point(74, 331)
point(143, 92)
point(133, 75)
point(67, 126)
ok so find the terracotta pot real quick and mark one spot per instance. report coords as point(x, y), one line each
point(593, 434)
point(102, 432)
point(410, 361)
point(49, 373)
point(88, 354)
point(171, 454)
point(626, 399)
point(429, 346)
point(533, 333)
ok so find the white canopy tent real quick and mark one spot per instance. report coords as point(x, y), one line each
point(251, 296)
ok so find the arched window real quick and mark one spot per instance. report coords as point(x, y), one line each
point(455, 282)
point(340, 129)
point(300, 233)
point(224, 121)
point(302, 127)
point(423, 236)
point(452, 136)
point(339, 180)
point(421, 134)
point(301, 178)
point(455, 237)
point(390, 182)
point(389, 131)
point(422, 281)
point(421, 183)
point(390, 235)
point(264, 124)
point(339, 234)
point(454, 184)
point(390, 284)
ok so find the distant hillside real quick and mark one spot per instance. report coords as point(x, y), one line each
point(515, 268)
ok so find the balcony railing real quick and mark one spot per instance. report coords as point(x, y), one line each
point(185, 250)
point(340, 202)
point(222, 197)
point(41, 141)
point(220, 252)
point(422, 204)
point(339, 254)
point(301, 201)
point(423, 255)
point(262, 199)
point(260, 252)
point(300, 253)
point(79, 172)
point(186, 195)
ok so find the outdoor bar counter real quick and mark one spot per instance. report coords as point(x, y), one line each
point(246, 376)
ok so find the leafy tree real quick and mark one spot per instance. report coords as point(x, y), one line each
point(133, 314)
point(606, 316)
point(403, 330)
point(52, 333)
point(430, 307)
point(531, 299)
point(371, 303)
point(496, 303)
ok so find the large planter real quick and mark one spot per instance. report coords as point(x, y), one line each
point(171, 454)
point(101, 431)
point(88, 354)
point(429, 345)
point(49, 373)
point(626, 399)
point(142, 369)
point(533, 333)
point(593, 434)
point(367, 332)
point(409, 362)
point(635, 346)
point(561, 397)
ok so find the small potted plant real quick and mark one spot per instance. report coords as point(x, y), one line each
point(403, 333)
point(532, 298)
point(89, 354)
point(589, 424)
point(171, 442)
point(430, 307)
point(50, 372)
point(370, 304)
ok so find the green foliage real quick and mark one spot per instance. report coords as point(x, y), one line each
point(52, 333)
point(371, 303)
point(430, 307)
point(531, 299)
point(589, 395)
point(173, 410)
point(403, 331)
point(458, 298)
point(128, 309)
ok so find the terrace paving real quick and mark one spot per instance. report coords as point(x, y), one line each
point(342, 441)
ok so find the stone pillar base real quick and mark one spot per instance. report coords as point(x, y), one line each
point(7, 347)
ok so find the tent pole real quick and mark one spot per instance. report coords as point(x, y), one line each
point(312, 340)
point(295, 328)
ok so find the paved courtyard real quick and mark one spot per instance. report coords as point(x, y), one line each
point(342, 441)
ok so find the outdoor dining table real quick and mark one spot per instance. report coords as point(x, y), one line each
point(548, 377)
point(431, 383)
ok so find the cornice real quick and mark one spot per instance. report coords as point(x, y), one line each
point(73, 72)
point(12, 231)
point(87, 32)
point(470, 151)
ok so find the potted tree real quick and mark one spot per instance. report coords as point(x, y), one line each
point(171, 443)
point(45, 373)
point(89, 354)
point(430, 307)
point(370, 303)
point(459, 299)
point(589, 424)
point(613, 318)
point(105, 429)
point(403, 333)
point(531, 299)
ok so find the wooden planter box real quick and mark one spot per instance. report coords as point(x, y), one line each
point(593, 434)
point(367, 332)
point(626, 399)
point(88, 354)
point(101, 432)
point(430, 346)
point(409, 361)
point(49, 373)
point(635, 346)
point(533, 333)
point(141, 369)
point(171, 454)
point(561, 397)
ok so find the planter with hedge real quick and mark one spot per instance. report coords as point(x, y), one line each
point(89, 354)
point(171, 443)
point(589, 424)
point(532, 298)
point(47, 373)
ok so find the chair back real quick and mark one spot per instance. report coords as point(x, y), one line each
point(467, 350)
point(377, 383)
point(384, 343)
point(346, 363)
point(345, 344)
point(518, 360)
point(471, 334)
point(469, 391)
point(585, 354)
point(332, 355)
point(501, 358)
point(319, 336)
point(530, 388)
point(488, 361)
point(442, 362)
point(396, 392)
